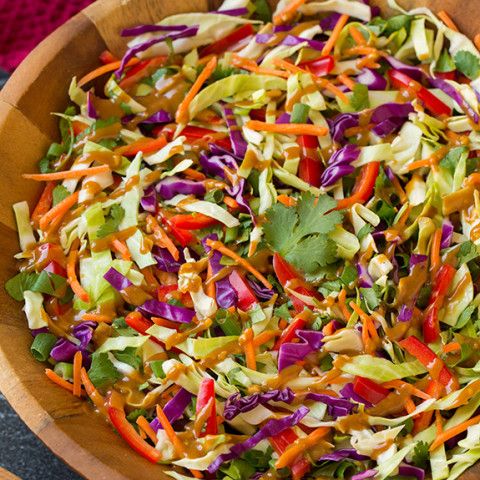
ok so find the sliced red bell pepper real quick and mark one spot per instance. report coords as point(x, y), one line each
point(280, 442)
point(193, 133)
point(431, 102)
point(46, 253)
point(193, 221)
point(290, 332)
point(310, 168)
point(245, 294)
point(443, 279)
point(56, 268)
point(126, 430)
point(107, 57)
point(369, 390)
point(446, 75)
point(141, 70)
point(320, 66)
point(427, 357)
point(423, 420)
point(220, 46)
point(140, 324)
point(164, 290)
point(285, 274)
point(182, 236)
point(258, 114)
point(206, 394)
point(364, 186)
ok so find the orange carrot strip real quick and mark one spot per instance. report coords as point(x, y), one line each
point(296, 449)
point(149, 277)
point(329, 328)
point(216, 245)
point(44, 203)
point(109, 67)
point(121, 247)
point(343, 306)
point(163, 237)
point(58, 380)
point(265, 337)
point(333, 89)
point(445, 18)
point(249, 349)
point(194, 175)
point(182, 116)
point(231, 202)
point(77, 380)
point(177, 443)
point(409, 405)
point(287, 128)
point(435, 250)
point(357, 35)
point(44, 177)
point(145, 145)
point(347, 81)
point(290, 67)
point(438, 422)
point(72, 277)
point(55, 214)
point(210, 286)
point(96, 317)
point(251, 66)
point(288, 12)
point(452, 432)
point(399, 384)
point(476, 41)
point(142, 422)
point(426, 162)
point(399, 190)
point(452, 347)
point(362, 50)
point(164, 322)
point(286, 200)
point(342, 21)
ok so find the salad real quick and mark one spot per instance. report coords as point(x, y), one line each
point(256, 253)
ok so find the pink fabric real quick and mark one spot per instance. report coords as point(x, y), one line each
point(25, 23)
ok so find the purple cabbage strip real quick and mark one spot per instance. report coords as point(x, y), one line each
point(261, 292)
point(364, 278)
point(225, 294)
point(339, 455)
point(149, 200)
point(290, 353)
point(390, 117)
point(415, 259)
point(329, 22)
point(141, 47)
point(447, 233)
point(282, 28)
point(165, 310)
point(411, 471)
point(141, 29)
point(405, 314)
point(174, 408)
point(348, 392)
point(271, 428)
point(283, 118)
point(165, 261)
point(290, 41)
point(64, 349)
point(340, 123)
point(239, 144)
point(413, 72)
point(237, 404)
point(336, 407)
point(233, 12)
point(91, 111)
point(372, 79)
point(339, 164)
point(117, 280)
point(162, 116)
point(38, 331)
point(365, 474)
point(171, 186)
point(453, 93)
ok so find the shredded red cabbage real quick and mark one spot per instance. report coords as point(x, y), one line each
point(165, 310)
point(290, 353)
point(117, 280)
point(174, 408)
point(171, 186)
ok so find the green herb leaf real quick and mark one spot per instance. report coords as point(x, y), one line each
point(451, 159)
point(20, 283)
point(283, 312)
point(59, 194)
point(370, 297)
point(134, 414)
point(396, 23)
point(299, 113)
point(42, 346)
point(364, 231)
point(359, 100)
point(157, 368)
point(122, 328)
point(263, 11)
point(468, 251)
point(326, 288)
point(130, 357)
point(445, 62)
point(349, 275)
point(421, 456)
point(468, 64)
point(113, 221)
point(102, 372)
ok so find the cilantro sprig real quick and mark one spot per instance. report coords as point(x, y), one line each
point(113, 221)
point(300, 234)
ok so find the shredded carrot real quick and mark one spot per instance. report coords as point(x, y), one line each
point(177, 443)
point(67, 174)
point(329, 328)
point(333, 89)
point(369, 333)
point(451, 347)
point(231, 202)
point(265, 337)
point(216, 245)
point(473, 179)
point(182, 115)
point(476, 41)
point(288, 12)
point(287, 128)
point(435, 250)
point(286, 200)
point(109, 67)
point(142, 422)
point(96, 317)
point(342, 21)
point(399, 190)
point(149, 277)
point(162, 322)
point(58, 380)
point(55, 214)
point(399, 384)
point(251, 66)
point(194, 175)
point(121, 247)
point(249, 349)
point(282, 324)
point(210, 286)
point(77, 380)
point(289, 66)
point(92, 392)
point(347, 81)
point(363, 50)
point(343, 306)
point(445, 18)
point(438, 422)
point(425, 162)
point(409, 405)
point(162, 238)
point(452, 432)
point(357, 35)
point(44, 203)
point(297, 448)
point(72, 277)
point(145, 145)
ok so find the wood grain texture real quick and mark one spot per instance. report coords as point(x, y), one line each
point(39, 86)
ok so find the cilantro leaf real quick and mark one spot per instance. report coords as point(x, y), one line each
point(114, 219)
point(468, 64)
point(134, 414)
point(20, 283)
point(349, 275)
point(300, 233)
point(262, 11)
point(359, 100)
point(102, 371)
point(364, 231)
point(59, 194)
point(468, 251)
point(129, 356)
point(370, 298)
point(451, 159)
point(396, 23)
point(445, 62)
point(420, 456)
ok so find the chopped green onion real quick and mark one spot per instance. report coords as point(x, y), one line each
point(299, 113)
point(42, 346)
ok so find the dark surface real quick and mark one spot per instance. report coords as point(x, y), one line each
point(24, 454)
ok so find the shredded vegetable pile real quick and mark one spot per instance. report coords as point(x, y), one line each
point(257, 249)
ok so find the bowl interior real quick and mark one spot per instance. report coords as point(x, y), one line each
point(39, 86)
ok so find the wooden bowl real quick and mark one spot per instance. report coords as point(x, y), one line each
point(68, 426)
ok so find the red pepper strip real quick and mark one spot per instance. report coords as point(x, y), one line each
point(107, 57)
point(369, 390)
point(127, 432)
point(141, 70)
point(206, 394)
point(56, 268)
point(164, 290)
point(183, 237)
point(78, 127)
point(140, 324)
point(285, 274)
point(258, 114)
point(364, 186)
point(446, 75)
point(290, 332)
point(280, 442)
point(431, 326)
point(427, 357)
point(310, 168)
point(431, 102)
point(320, 66)
point(194, 221)
point(245, 293)
point(196, 133)
point(220, 46)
